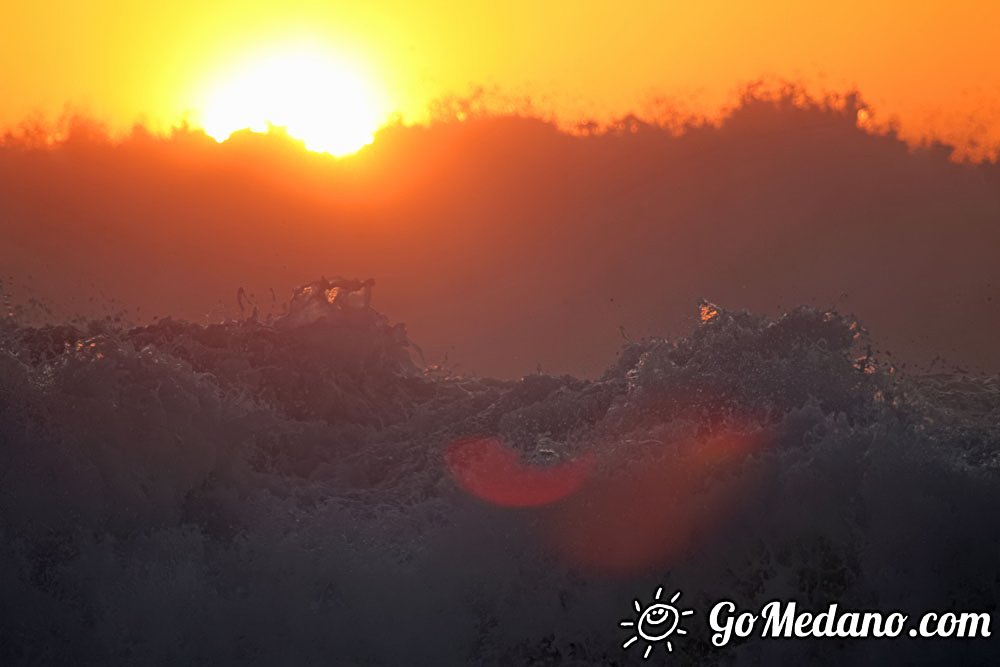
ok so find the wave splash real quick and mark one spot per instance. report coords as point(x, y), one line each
point(281, 491)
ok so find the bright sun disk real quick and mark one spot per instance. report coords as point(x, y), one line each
point(316, 100)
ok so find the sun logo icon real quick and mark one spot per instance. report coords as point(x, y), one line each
point(656, 622)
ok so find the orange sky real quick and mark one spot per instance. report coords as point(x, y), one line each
point(932, 64)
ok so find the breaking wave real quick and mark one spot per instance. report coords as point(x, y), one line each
point(300, 491)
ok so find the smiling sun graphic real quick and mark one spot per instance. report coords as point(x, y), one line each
point(656, 622)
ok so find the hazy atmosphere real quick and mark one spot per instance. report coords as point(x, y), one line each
point(507, 244)
point(464, 334)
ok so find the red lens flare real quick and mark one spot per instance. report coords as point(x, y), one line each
point(650, 509)
point(487, 469)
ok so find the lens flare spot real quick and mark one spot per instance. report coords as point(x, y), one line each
point(487, 469)
point(648, 509)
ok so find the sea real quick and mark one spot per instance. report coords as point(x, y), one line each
point(309, 491)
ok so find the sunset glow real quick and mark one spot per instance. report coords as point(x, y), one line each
point(927, 68)
point(470, 333)
point(316, 99)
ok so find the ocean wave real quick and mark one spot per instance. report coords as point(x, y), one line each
point(259, 492)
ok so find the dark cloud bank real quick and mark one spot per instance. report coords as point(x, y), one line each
point(198, 492)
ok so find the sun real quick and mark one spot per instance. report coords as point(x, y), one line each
point(656, 622)
point(316, 98)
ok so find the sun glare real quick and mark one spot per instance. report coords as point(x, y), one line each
point(315, 98)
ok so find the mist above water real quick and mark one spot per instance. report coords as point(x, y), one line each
point(506, 244)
